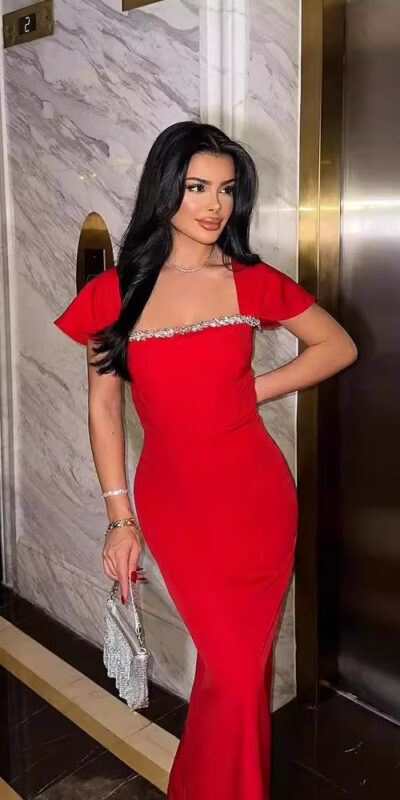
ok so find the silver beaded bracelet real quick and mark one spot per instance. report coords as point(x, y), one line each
point(115, 491)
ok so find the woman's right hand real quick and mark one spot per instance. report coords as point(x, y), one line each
point(121, 551)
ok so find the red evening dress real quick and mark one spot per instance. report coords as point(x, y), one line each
point(217, 506)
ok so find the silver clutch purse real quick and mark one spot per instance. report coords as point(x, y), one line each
point(124, 653)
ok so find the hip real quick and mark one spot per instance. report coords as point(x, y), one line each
point(229, 501)
point(245, 463)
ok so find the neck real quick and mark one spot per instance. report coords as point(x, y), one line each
point(187, 252)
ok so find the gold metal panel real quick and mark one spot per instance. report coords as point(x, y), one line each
point(17, 24)
point(306, 603)
point(331, 153)
point(319, 260)
point(310, 142)
point(94, 235)
point(127, 5)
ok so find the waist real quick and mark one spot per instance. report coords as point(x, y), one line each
point(197, 430)
point(203, 459)
point(166, 452)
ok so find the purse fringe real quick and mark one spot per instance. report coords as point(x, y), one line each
point(128, 669)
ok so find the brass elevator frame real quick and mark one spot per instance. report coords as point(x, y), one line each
point(321, 120)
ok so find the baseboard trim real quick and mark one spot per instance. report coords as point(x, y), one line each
point(7, 793)
point(142, 745)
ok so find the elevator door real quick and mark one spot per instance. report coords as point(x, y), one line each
point(368, 529)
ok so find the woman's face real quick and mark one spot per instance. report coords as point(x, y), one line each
point(208, 200)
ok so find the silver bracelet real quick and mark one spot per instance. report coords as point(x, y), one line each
point(115, 491)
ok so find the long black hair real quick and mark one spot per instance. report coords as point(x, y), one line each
point(147, 241)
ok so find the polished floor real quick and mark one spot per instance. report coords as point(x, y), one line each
point(339, 750)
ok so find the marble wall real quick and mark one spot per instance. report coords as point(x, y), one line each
point(81, 109)
point(272, 133)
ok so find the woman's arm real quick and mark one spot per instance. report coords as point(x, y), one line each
point(107, 439)
point(329, 350)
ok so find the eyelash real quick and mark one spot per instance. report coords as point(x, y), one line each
point(228, 189)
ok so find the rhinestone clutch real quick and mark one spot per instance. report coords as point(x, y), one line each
point(124, 652)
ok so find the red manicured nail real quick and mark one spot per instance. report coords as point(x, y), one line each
point(133, 576)
point(122, 598)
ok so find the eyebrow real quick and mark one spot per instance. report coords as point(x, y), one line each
point(203, 180)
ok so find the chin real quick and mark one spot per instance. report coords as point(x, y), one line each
point(206, 237)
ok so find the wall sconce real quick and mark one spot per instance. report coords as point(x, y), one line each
point(95, 253)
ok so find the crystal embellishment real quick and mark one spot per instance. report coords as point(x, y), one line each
point(125, 655)
point(215, 322)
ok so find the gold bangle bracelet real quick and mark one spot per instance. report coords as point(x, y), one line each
point(120, 523)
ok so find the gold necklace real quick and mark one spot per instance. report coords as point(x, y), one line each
point(191, 269)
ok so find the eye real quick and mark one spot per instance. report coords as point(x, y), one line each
point(229, 189)
point(196, 186)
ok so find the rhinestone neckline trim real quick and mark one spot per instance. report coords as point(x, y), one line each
point(161, 333)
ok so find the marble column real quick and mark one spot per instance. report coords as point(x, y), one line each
point(250, 85)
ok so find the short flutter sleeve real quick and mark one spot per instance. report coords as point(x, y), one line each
point(279, 297)
point(96, 305)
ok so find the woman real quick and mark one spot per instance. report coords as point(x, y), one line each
point(214, 496)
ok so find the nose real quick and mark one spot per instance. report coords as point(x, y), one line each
point(214, 203)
